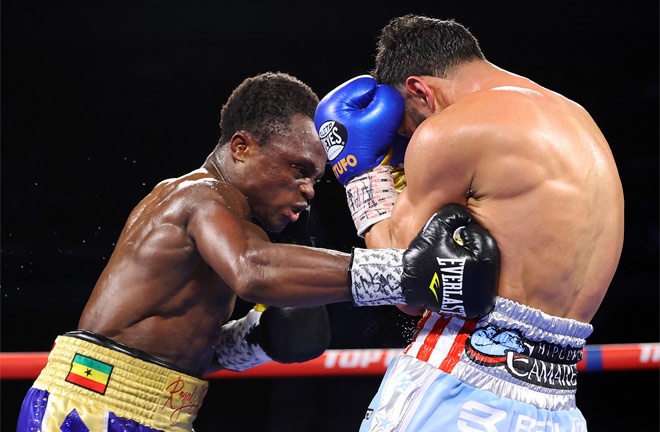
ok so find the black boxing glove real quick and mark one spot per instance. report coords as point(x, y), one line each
point(293, 335)
point(452, 266)
point(284, 335)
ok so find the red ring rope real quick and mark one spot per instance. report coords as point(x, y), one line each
point(597, 358)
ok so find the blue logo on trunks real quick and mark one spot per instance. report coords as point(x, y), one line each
point(539, 363)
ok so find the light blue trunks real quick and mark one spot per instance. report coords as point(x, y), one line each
point(513, 370)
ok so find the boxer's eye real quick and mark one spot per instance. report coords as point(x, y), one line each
point(308, 172)
point(301, 170)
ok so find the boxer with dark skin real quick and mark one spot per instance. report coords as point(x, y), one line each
point(191, 246)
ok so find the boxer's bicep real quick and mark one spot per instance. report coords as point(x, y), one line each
point(438, 172)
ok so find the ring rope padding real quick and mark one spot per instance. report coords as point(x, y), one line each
point(350, 362)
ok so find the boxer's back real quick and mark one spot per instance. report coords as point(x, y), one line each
point(548, 189)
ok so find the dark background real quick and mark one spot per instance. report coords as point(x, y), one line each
point(103, 99)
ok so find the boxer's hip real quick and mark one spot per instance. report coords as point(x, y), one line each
point(515, 352)
point(92, 373)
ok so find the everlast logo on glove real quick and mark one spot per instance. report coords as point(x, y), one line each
point(450, 282)
point(460, 259)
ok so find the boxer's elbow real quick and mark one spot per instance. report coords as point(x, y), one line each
point(251, 279)
point(251, 291)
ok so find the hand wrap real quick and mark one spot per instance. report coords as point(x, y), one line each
point(233, 350)
point(376, 276)
point(371, 197)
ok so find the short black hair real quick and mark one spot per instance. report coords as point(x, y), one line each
point(264, 105)
point(420, 45)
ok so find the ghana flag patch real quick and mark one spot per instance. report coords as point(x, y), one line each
point(89, 373)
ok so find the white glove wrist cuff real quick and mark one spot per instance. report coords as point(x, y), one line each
point(376, 277)
point(233, 351)
point(371, 197)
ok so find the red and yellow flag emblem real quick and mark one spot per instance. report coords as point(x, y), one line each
point(89, 373)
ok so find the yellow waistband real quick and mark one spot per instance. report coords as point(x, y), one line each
point(150, 394)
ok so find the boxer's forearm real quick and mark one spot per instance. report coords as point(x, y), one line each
point(295, 276)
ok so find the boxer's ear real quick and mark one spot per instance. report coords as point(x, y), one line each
point(420, 91)
point(241, 145)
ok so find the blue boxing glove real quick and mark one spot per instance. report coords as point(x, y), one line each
point(358, 123)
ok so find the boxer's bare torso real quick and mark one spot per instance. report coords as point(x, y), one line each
point(157, 294)
point(535, 170)
point(190, 248)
